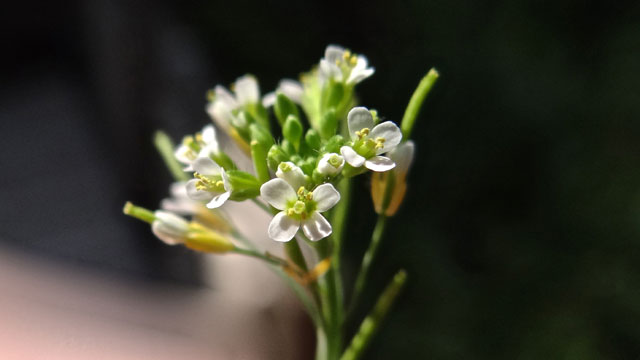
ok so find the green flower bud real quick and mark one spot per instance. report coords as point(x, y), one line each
point(329, 124)
point(275, 156)
point(223, 160)
point(284, 107)
point(332, 95)
point(312, 139)
point(334, 144)
point(261, 135)
point(292, 131)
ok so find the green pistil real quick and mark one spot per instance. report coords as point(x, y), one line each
point(303, 206)
point(334, 160)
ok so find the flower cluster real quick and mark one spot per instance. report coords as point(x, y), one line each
point(306, 140)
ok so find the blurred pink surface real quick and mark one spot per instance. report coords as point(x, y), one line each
point(50, 311)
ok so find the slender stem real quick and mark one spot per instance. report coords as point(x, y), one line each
point(372, 322)
point(368, 258)
point(421, 92)
point(165, 147)
point(299, 290)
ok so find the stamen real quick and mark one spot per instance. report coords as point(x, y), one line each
point(284, 167)
point(301, 191)
point(346, 55)
point(353, 60)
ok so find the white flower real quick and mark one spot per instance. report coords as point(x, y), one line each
point(330, 164)
point(370, 141)
point(169, 228)
point(222, 108)
point(292, 174)
point(204, 144)
point(341, 65)
point(290, 88)
point(210, 184)
point(299, 209)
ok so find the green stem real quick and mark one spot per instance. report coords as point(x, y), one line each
point(138, 212)
point(368, 258)
point(421, 92)
point(165, 147)
point(372, 322)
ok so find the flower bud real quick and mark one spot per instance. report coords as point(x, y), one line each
point(170, 228)
point(261, 135)
point(243, 185)
point(284, 107)
point(275, 156)
point(292, 131)
point(330, 164)
point(334, 144)
point(312, 139)
point(329, 124)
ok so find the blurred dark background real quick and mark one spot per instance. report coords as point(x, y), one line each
point(521, 233)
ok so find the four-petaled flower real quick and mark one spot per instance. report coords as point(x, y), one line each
point(204, 144)
point(210, 184)
point(341, 65)
point(300, 208)
point(223, 106)
point(369, 141)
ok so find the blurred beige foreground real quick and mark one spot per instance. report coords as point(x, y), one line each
point(52, 311)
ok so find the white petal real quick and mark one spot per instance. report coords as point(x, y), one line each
point(360, 71)
point(209, 135)
point(330, 70)
point(352, 157)
point(292, 89)
point(217, 201)
point(402, 155)
point(277, 193)
point(333, 53)
point(390, 132)
point(168, 238)
point(169, 227)
point(295, 176)
point(358, 119)
point(195, 194)
point(224, 97)
point(246, 89)
point(283, 228)
point(225, 180)
point(325, 196)
point(379, 164)
point(316, 227)
point(206, 166)
point(269, 99)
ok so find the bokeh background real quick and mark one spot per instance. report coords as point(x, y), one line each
point(521, 231)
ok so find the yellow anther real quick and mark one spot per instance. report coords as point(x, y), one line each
point(211, 95)
point(337, 61)
point(219, 183)
point(199, 137)
point(346, 55)
point(309, 196)
point(353, 60)
point(380, 139)
point(291, 212)
point(301, 191)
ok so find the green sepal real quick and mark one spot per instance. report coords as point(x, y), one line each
point(334, 144)
point(223, 160)
point(312, 139)
point(288, 147)
point(275, 156)
point(329, 123)
point(284, 107)
point(244, 185)
point(262, 135)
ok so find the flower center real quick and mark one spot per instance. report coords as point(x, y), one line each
point(303, 206)
point(366, 146)
point(211, 184)
point(335, 161)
